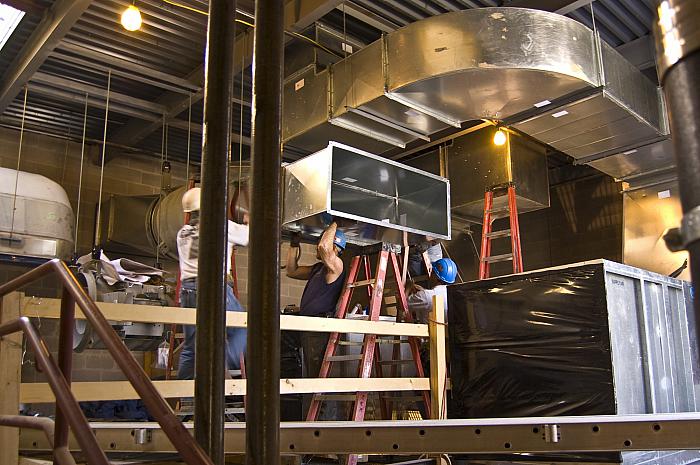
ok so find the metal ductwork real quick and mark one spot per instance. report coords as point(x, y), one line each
point(36, 218)
point(547, 75)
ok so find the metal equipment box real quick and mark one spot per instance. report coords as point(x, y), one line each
point(475, 159)
point(595, 338)
point(372, 198)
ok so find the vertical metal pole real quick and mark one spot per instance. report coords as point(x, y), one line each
point(263, 400)
point(210, 361)
point(678, 58)
point(65, 364)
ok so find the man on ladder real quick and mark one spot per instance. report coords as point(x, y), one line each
point(324, 284)
point(188, 251)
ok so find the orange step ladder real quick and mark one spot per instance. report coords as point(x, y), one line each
point(510, 210)
point(369, 357)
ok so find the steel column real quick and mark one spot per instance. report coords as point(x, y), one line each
point(65, 364)
point(210, 360)
point(678, 56)
point(263, 400)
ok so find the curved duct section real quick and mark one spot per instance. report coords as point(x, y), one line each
point(144, 225)
point(43, 222)
point(547, 75)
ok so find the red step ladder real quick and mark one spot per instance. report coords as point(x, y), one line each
point(369, 356)
point(510, 210)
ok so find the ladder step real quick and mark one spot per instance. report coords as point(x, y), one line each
point(350, 343)
point(356, 316)
point(344, 358)
point(395, 362)
point(366, 282)
point(497, 234)
point(498, 210)
point(498, 258)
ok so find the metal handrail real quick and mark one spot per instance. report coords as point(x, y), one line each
point(61, 454)
point(59, 379)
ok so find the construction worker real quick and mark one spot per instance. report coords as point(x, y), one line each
point(188, 252)
point(324, 284)
point(420, 299)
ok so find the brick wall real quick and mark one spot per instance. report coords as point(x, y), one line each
point(59, 161)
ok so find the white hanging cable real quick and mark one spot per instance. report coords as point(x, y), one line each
point(19, 159)
point(102, 166)
point(240, 127)
point(189, 132)
point(80, 177)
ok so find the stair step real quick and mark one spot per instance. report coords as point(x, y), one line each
point(497, 234)
point(498, 258)
point(344, 358)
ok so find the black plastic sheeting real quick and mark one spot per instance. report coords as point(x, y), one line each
point(532, 345)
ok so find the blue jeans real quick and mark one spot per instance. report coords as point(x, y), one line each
point(236, 338)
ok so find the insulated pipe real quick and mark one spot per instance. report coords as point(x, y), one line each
point(263, 401)
point(678, 58)
point(210, 344)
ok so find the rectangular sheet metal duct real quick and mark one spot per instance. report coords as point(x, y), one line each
point(372, 198)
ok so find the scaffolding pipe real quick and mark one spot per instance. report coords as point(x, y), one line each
point(678, 57)
point(263, 400)
point(210, 343)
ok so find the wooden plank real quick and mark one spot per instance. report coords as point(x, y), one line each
point(50, 308)
point(119, 390)
point(438, 360)
point(10, 372)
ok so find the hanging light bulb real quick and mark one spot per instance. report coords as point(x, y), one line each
point(499, 138)
point(131, 18)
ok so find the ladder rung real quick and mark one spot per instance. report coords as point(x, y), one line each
point(403, 399)
point(498, 258)
point(343, 358)
point(498, 210)
point(366, 282)
point(395, 362)
point(497, 234)
point(356, 316)
point(392, 341)
point(350, 343)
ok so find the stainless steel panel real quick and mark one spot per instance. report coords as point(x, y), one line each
point(648, 213)
point(652, 157)
point(659, 339)
point(372, 198)
point(475, 158)
point(394, 111)
point(126, 224)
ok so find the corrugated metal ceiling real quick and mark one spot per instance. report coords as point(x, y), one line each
point(172, 41)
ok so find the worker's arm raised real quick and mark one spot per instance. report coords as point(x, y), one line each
point(293, 269)
point(330, 259)
point(238, 233)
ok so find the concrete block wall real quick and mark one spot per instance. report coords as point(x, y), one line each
point(59, 161)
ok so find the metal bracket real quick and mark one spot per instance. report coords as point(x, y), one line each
point(678, 239)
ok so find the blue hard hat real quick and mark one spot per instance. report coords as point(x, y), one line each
point(340, 240)
point(446, 270)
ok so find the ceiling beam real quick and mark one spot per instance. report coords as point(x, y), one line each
point(298, 15)
point(368, 17)
point(57, 21)
point(640, 52)
point(562, 7)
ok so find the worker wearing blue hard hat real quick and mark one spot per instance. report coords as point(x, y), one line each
point(324, 284)
point(420, 299)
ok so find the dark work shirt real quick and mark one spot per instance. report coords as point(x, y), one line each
point(319, 297)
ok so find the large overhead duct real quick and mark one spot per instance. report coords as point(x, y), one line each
point(546, 74)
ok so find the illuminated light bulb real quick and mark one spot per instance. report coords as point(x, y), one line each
point(131, 18)
point(499, 138)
